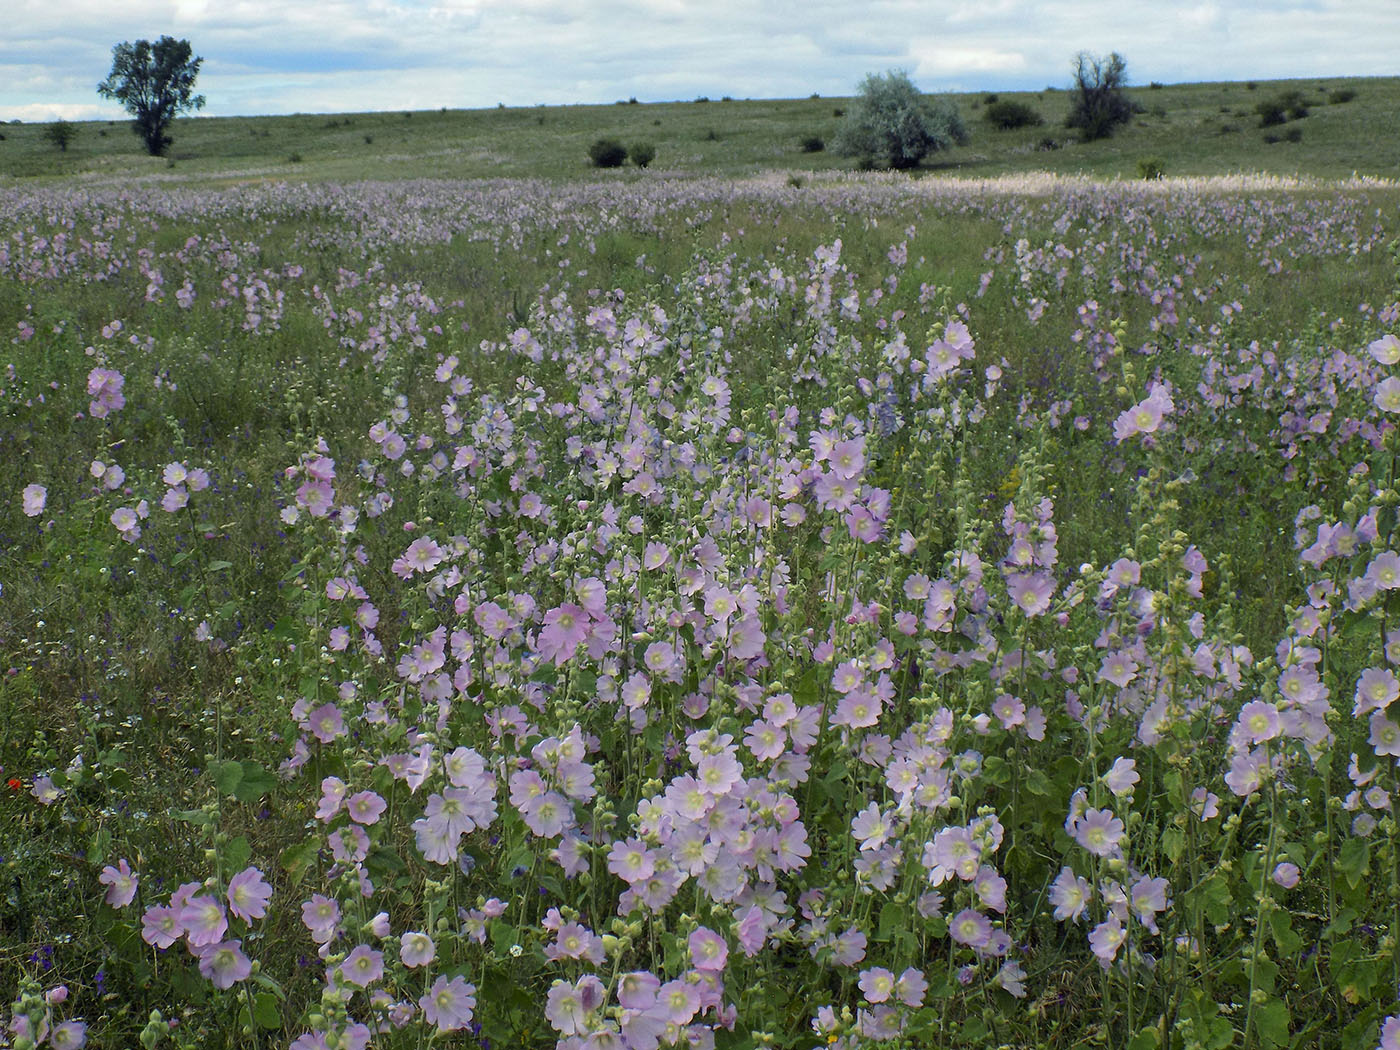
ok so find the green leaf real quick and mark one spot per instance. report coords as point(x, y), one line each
point(1037, 783)
point(227, 775)
point(892, 919)
point(1146, 1039)
point(1354, 860)
point(266, 1011)
point(97, 848)
point(219, 566)
point(254, 783)
point(297, 859)
point(237, 854)
point(1271, 1022)
point(1173, 842)
point(1284, 936)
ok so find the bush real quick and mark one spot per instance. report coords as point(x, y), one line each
point(1151, 168)
point(1008, 115)
point(1046, 144)
point(1098, 103)
point(1155, 85)
point(1281, 108)
point(642, 153)
point(812, 144)
point(60, 133)
point(893, 125)
point(1341, 95)
point(1294, 134)
point(607, 153)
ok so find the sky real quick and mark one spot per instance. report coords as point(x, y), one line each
point(332, 56)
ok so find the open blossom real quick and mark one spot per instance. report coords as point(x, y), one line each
point(1146, 416)
point(449, 1004)
point(33, 498)
point(1099, 831)
point(224, 963)
point(248, 894)
point(120, 882)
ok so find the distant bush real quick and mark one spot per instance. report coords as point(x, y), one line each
point(632, 101)
point(1155, 85)
point(1294, 134)
point(1008, 115)
point(1046, 144)
point(1151, 168)
point(1227, 129)
point(60, 133)
point(1341, 95)
point(812, 144)
point(1271, 139)
point(991, 99)
point(838, 112)
point(1250, 85)
point(1281, 108)
point(711, 135)
point(641, 153)
point(369, 140)
point(607, 153)
point(893, 125)
point(1098, 102)
point(796, 181)
point(295, 158)
point(703, 98)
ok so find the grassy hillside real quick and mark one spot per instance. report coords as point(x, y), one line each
point(1193, 129)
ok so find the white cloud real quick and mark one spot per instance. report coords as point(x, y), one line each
point(396, 54)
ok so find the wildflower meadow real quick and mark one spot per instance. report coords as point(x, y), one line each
point(682, 612)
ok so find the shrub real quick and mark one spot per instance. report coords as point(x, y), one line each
point(1151, 168)
point(991, 99)
point(1155, 85)
point(1294, 134)
point(1098, 103)
point(295, 158)
point(641, 153)
point(1341, 95)
point(607, 153)
point(812, 144)
point(1046, 144)
point(1281, 108)
point(711, 135)
point(1008, 115)
point(60, 133)
point(369, 140)
point(895, 126)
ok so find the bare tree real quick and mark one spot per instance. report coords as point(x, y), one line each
point(1098, 102)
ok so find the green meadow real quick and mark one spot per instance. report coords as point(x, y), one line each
point(1193, 129)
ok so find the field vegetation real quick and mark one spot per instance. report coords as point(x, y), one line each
point(1352, 127)
point(771, 606)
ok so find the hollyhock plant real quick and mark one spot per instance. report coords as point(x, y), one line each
point(121, 883)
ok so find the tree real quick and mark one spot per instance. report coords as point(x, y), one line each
point(1098, 102)
point(155, 82)
point(60, 133)
point(890, 124)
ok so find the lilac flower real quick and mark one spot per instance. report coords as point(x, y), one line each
point(1388, 395)
point(1099, 831)
point(416, 949)
point(204, 921)
point(321, 915)
point(1376, 690)
point(327, 723)
point(449, 1004)
point(121, 884)
point(160, 927)
point(1122, 777)
point(1106, 939)
point(1147, 898)
point(70, 1035)
point(33, 498)
point(1390, 1034)
point(1070, 894)
point(248, 894)
point(366, 807)
point(971, 928)
point(1259, 720)
point(363, 966)
point(1385, 735)
point(708, 950)
point(1286, 874)
point(224, 963)
point(911, 987)
point(876, 984)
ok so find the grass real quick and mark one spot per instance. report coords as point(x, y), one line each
point(1194, 129)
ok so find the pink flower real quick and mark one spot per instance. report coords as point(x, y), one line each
point(708, 950)
point(225, 964)
point(33, 498)
point(416, 949)
point(366, 807)
point(120, 882)
point(248, 894)
point(363, 966)
point(876, 984)
point(204, 921)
